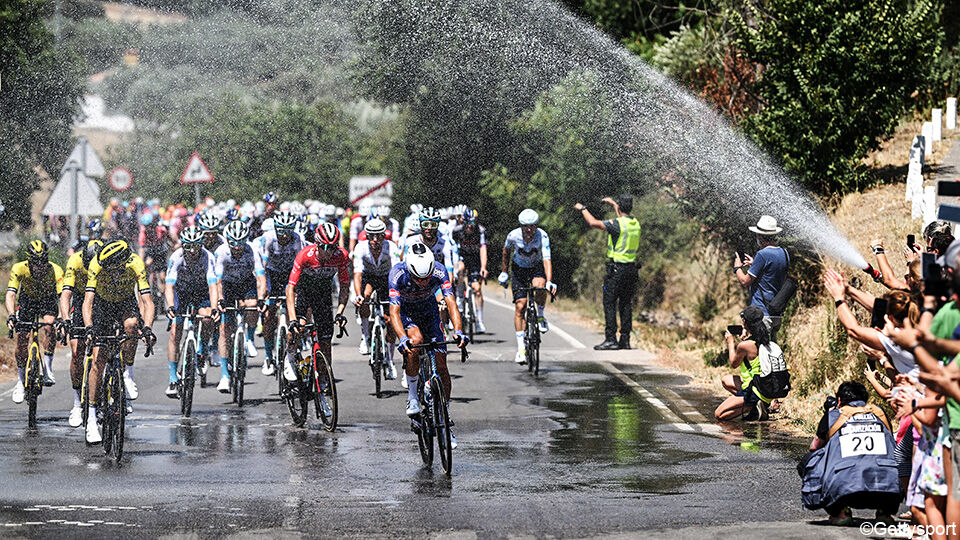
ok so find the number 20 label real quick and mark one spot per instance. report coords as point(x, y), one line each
point(858, 444)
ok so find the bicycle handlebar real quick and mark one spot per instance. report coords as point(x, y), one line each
point(524, 290)
point(463, 350)
point(29, 325)
point(342, 330)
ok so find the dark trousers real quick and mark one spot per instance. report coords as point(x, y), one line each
point(619, 286)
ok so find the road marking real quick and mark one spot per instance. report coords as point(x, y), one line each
point(574, 342)
point(686, 409)
point(661, 407)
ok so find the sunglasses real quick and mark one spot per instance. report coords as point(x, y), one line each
point(429, 225)
point(191, 248)
point(237, 244)
point(328, 247)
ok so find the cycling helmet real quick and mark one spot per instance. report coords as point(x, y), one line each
point(529, 217)
point(420, 261)
point(95, 226)
point(375, 226)
point(469, 215)
point(37, 252)
point(146, 219)
point(209, 222)
point(270, 198)
point(236, 232)
point(93, 248)
point(191, 235)
point(327, 235)
point(232, 215)
point(114, 255)
point(429, 214)
point(284, 220)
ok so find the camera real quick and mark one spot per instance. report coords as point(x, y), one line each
point(936, 279)
point(829, 404)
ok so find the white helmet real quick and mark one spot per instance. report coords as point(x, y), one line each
point(385, 211)
point(529, 217)
point(375, 226)
point(420, 261)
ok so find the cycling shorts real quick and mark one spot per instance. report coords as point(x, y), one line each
point(322, 309)
point(76, 315)
point(471, 267)
point(30, 308)
point(198, 298)
point(239, 290)
point(378, 283)
point(523, 278)
point(105, 313)
point(428, 321)
point(277, 282)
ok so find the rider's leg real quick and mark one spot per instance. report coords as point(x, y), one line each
point(172, 347)
point(206, 330)
point(131, 326)
point(269, 332)
point(76, 370)
point(441, 358)
point(23, 342)
point(47, 343)
point(365, 315)
point(540, 296)
point(519, 324)
point(478, 300)
point(293, 347)
point(227, 328)
point(413, 362)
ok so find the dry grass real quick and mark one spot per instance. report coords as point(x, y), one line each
point(7, 360)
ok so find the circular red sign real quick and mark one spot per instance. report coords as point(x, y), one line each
point(121, 179)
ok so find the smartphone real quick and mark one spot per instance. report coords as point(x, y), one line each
point(911, 241)
point(872, 364)
point(948, 188)
point(929, 267)
point(735, 329)
point(879, 310)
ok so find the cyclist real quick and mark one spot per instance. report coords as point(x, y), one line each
point(372, 260)
point(32, 292)
point(270, 202)
point(75, 278)
point(531, 267)
point(240, 276)
point(411, 223)
point(279, 249)
point(471, 240)
point(191, 280)
point(415, 317)
point(153, 248)
point(116, 291)
point(357, 222)
point(310, 288)
point(429, 235)
point(210, 225)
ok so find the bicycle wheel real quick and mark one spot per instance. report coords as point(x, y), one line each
point(532, 337)
point(85, 391)
point(240, 369)
point(471, 315)
point(425, 442)
point(535, 360)
point(118, 412)
point(280, 358)
point(236, 384)
point(376, 358)
point(104, 400)
point(297, 399)
point(32, 384)
point(325, 390)
point(188, 377)
point(441, 423)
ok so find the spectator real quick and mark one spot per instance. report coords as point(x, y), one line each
point(768, 270)
point(746, 400)
point(620, 282)
point(840, 474)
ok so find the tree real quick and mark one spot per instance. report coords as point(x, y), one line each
point(42, 87)
point(837, 77)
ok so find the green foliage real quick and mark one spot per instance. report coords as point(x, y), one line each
point(837, 79)
point(102, 43)
point(40, 96)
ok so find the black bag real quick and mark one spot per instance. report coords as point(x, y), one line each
point(780, 300)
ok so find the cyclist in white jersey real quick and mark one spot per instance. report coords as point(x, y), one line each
point(280, 248)
point(372, 260)
point(429, 235)
point(531, 267)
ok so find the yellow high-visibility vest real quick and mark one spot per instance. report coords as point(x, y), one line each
point(627, 243)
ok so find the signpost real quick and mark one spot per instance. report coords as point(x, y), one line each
point(75, 193)
point(196, 173)
point(121, 179)
point(377, 190)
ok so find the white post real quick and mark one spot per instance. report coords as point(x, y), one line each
point(927, 132)
point(937, 121)
point(73, 206)
point(951, 113)
point(929, 205)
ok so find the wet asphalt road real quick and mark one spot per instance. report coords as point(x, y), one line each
point(577, 452)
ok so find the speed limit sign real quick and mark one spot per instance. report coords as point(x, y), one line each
point(121, 179)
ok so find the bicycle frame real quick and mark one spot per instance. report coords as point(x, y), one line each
point(531, 336)
point(189, 354)
point(280, 338)
point(434, 418)
point(111, 394)
point(34, 370)
point(378, 340)
point(237, 360)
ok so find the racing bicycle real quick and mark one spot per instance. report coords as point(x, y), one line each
point(434, 418)
point(187, 365)
point(34, 371)
point(237, 361)
point(280, 340)
point(378, 340)
point(531, 336)
point(315, 381)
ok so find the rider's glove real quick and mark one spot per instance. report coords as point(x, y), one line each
point(462, 340)
point(294, 327)
point(358, 300)
point(404, 346)
point(503, 278)
point(221, 305)
point(88, 332)
point(552, 287)
point(149, 336)
point(171, 313)
point(12, 321)
point(214, 314)
point(261, 304)
point(340, 319)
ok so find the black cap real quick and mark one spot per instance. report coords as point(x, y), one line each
point(752, 315)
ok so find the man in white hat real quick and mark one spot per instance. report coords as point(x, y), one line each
point(764, 273)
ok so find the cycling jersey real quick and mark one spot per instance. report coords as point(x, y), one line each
point(528, 255)
point(119, 284)
point(211, 245)
point(195, 277)
point(75, 275)
point(153, 237)
point(278, 257)
point(312, 273)
point(443, 251)
point(405, 292)
point(364, 262)
point(356, 227)
point(469, 241)
point(232, 269)
point(24, 284)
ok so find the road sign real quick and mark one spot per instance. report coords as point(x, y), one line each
point(87, 158)
point(88, 203)
point(377, 190)
point(196, 171)
point(121, 179)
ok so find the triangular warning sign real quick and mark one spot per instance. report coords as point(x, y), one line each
point(196, 171)
point(83, 152)
point(88, 203)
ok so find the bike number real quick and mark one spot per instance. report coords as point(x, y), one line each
point(859, 444)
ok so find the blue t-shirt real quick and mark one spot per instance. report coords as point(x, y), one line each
point(769, 271)
point(405, 292)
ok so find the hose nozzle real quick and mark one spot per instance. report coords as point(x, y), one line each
point(875, 274)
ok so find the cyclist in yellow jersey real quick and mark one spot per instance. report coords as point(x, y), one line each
point(71, 304)
point(114, 279)
point(32, 293)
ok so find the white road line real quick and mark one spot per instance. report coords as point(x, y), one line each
point(661, 407)
point(574, 342)
point(686, 409)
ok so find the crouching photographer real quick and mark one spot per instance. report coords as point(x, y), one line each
point(763, 371)
point(851, 463)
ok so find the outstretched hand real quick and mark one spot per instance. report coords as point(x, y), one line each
point(834, 283)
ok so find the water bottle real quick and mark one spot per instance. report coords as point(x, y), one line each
point(428, 396)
